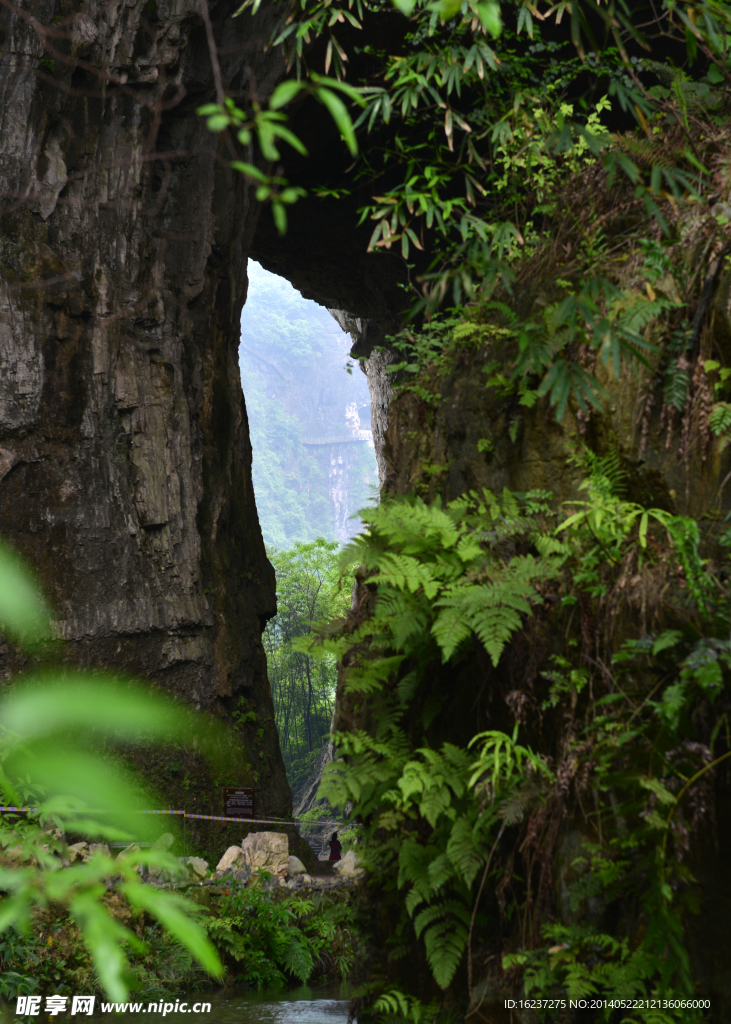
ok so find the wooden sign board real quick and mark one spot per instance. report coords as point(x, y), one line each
point(238, 802)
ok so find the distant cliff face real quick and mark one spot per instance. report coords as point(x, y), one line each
point(309, 418)
point(125, 460)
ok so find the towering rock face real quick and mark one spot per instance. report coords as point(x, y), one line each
point(369, 345)
point(124, 448)
point(125, 461)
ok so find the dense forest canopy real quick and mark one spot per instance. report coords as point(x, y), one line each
point(309, 592)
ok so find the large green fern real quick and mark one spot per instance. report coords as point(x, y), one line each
point(442, 578)
point(440, 569)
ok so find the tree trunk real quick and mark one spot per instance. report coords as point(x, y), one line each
point(308, 713)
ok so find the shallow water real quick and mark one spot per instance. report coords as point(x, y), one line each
point(301, 1006)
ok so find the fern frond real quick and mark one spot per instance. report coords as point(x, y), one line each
point(407, 573)
point(440, 871)
point(297, 957)
point(668, 74)
point(719, 419)
point(644, 151)
point(463, 851)
point(413, 863)
point(412, 524)
point(495, 627)
point(414, 899)
point(445, 928)
point(435, 803)
point(579, 982)
point(450, 629)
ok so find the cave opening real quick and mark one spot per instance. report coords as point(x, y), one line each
point(308, 405)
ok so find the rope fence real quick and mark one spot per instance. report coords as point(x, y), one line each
point(297, 822)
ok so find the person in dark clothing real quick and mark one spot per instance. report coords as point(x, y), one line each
point(335, 847)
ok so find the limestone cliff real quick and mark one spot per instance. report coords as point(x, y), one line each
point(462, 428)
point(125, 459)
point(126, 463)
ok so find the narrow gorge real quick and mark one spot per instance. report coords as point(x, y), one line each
point(126, 481)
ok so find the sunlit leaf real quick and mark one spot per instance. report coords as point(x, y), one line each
point(284, 93)
point(24, 614)
point(341, 117)
point(250, 170)
point(174, 912)
point(489, 15)
point(218, 122)
point(104, 938)
point(287, 136)
point(280, 217)
point(81, 703)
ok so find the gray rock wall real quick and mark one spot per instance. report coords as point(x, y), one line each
point(125, 462)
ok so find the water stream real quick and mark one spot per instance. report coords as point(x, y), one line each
point(300, 1006)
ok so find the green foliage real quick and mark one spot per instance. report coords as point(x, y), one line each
point(471, 127)
point(537, 356)
point(440, 575)
point(269, 128)
point(611, 529)
point(598, 315)
point(271, 938)
point(527, 155)
point(56, 752)
point(308, 592)
point(24, 614)
point(395, 1003)
point(584, 964)
point(437, 820)
point(466, 136)
point(506, 139)
point(444, 579)
point(33, 961)
point(466, 130)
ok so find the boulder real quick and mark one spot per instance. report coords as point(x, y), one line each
point(295, 866)
point(164, 843)
point(132, 848)
point(77, 851)
point(161, 845)
point(233, 856)
point(194, 868)
point(349, 867)
point(15, 854)
point(197, 866)
point(97, 848)
point(267, 851)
